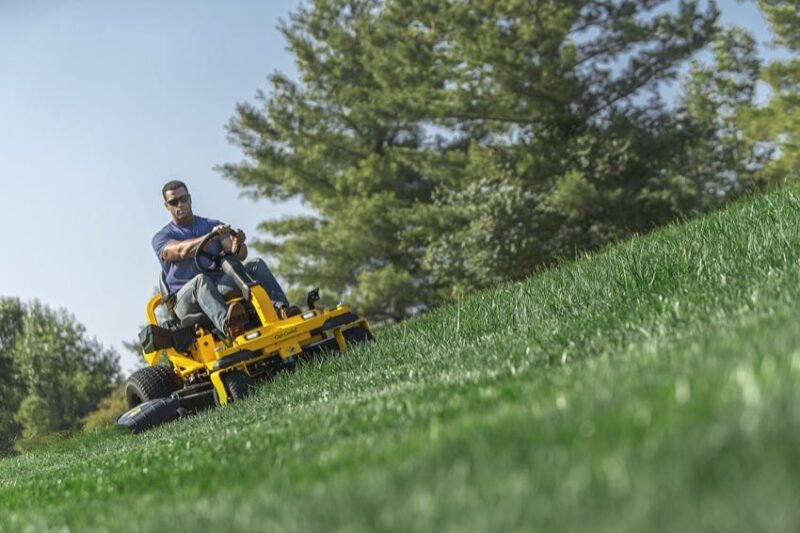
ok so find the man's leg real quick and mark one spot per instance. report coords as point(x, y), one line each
point(262, 274)
point(201, 294)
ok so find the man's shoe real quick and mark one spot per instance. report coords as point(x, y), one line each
point(235, 320)
point(288, 311)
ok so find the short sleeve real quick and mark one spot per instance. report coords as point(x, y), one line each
point(160, 240)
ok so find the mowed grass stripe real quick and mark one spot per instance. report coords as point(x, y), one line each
point(650, 386)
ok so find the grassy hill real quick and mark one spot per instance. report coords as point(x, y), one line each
point(655, 386)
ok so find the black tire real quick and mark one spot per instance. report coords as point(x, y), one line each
point(149, 383)
point(237, 385)
point(357, 335)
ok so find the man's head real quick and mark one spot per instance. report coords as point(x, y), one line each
point(178, 202)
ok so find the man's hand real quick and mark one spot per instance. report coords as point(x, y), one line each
point(221, 229)
point(237, 240)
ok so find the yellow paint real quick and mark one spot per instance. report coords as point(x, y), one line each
point(263, 305)
point(222, 395)
point(150, 310)
point(340, 340)
point(205, 349)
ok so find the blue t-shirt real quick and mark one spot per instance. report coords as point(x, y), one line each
point(181, 272)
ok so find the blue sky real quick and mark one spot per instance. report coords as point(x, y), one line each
point(101, 103)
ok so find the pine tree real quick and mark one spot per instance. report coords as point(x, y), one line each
point(720, 162)
point(447, 145)
point(775, 127)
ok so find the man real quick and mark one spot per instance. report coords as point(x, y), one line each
point(175, 246)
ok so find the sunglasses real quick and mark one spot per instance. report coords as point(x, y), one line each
point(179, 200)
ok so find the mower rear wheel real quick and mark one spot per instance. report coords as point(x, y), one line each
point(150, 383)
point(237, 385)
point(357, 335)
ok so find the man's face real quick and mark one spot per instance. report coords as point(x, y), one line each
point(179, 204)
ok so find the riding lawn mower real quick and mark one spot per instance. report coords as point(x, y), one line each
point(206, 368)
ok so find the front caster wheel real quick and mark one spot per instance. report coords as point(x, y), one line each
point(237, 385)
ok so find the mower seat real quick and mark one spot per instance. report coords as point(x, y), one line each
point(168, 301)
point(167, 298)
point(193, 319)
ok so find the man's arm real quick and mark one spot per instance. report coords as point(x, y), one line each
point(175, 251)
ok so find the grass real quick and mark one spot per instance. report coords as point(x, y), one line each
point(652, 387)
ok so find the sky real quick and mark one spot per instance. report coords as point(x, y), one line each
point(101, 103)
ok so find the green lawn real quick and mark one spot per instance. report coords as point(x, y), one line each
point(655, 386)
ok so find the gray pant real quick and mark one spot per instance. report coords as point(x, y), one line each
point(206, 293)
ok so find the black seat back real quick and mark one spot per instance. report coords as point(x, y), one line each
point(167, 298)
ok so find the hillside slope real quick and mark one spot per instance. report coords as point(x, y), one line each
point(654, 386)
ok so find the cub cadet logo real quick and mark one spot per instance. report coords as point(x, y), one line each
point(285, 333)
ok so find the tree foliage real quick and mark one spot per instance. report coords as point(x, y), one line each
point(720, 158)
point(447, 145)
point(784, 18)
point(52, 373)
point(775, 126)
point(11, 317)
point(108, 409)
